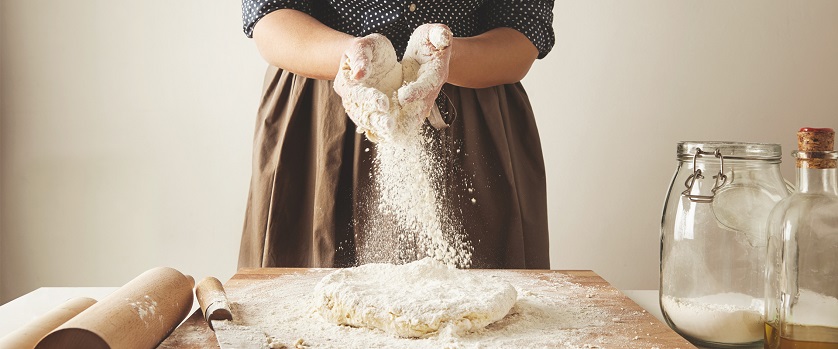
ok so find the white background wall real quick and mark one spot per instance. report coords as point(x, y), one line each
point(125, 128)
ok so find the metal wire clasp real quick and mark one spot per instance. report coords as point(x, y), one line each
point(721, 178)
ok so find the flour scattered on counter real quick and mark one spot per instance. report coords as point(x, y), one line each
point(544, 316)
point(239, 335)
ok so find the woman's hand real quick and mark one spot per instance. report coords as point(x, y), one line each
point(425, 70)
point(368, 76)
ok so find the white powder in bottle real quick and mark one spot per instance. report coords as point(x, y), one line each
point(720, 318)
point(814, 309)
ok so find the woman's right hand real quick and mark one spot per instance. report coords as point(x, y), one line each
point(368, 75)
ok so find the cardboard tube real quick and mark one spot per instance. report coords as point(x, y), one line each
point(140, 314)
point(27, 336)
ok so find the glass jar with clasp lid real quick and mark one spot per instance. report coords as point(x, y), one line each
point(713, 240)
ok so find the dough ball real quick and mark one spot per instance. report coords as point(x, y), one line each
point(417, 299)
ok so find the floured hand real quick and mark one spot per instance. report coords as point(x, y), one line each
point(367, 81)
point(383, 96)
point(425, 70)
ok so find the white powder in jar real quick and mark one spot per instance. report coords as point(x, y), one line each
point(732, 318)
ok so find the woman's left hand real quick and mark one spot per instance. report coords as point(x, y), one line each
point(425, 70)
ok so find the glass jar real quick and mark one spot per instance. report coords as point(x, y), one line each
point(801, 292)
point(713, 240)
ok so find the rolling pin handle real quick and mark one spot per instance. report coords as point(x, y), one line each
point(213, 300)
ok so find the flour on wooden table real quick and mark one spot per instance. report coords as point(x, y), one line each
point(550, 312)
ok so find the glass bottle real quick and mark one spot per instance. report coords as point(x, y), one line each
point(802, 274)
point(713, 240)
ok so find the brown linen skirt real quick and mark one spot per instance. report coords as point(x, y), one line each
point(312, 175)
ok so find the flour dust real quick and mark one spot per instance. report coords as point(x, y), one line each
point(548, 313)
point(411, 213)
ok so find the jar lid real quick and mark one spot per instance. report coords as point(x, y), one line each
point(731, 150)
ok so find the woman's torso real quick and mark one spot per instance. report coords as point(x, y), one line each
point(397, 19)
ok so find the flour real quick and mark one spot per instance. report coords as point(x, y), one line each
point(720, 318)
point(417, 299)
point(548, 313)
point(370, 100)
point(410, 204)
point(410, 218)
point(814, 309)
point(145, 308)
point(392, 99)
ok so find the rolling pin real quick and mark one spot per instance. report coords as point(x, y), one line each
point(219, 316)
point(27, 336)
point(139, 314)
point(213, 300)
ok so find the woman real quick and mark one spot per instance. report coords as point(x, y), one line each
point(311, 170)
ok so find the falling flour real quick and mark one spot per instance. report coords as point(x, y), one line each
point(411, 206)
point(721, 318)
point(408, 216)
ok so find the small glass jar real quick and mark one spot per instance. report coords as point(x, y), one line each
point(713, 240)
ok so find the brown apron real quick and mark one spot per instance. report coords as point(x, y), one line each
point(311, 177)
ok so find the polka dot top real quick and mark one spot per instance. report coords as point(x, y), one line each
point(396, 19)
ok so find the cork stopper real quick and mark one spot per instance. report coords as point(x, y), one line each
point(810, 139)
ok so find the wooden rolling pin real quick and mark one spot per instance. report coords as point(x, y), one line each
point(139, 314)
point(213, 300)
point(27, 336)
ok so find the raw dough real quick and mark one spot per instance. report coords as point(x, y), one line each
point(416, 299)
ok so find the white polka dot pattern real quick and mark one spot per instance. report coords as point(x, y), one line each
point(397, 19)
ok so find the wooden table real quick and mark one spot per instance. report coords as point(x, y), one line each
point(633, 327)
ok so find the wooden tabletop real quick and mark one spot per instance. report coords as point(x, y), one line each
point(632, 326)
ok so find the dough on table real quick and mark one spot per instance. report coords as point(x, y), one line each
point(416, 299)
